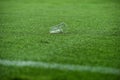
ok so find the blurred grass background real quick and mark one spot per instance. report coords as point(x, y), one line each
point(92, 37)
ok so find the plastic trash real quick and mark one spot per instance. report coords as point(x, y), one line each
point(57, 28)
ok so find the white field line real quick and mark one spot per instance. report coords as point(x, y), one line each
point(70, 67)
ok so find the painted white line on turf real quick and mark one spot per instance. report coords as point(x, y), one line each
point(71, 67)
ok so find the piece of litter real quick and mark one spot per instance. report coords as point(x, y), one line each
point(57, 28)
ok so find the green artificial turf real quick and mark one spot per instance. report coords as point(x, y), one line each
point(91, 37)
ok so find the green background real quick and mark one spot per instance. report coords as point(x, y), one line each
point(91, 37)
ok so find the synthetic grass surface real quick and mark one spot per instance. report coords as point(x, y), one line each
point(92, 37)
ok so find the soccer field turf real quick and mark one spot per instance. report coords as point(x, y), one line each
point(89, 49)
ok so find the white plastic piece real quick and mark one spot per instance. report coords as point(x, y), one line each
point(57, 28)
